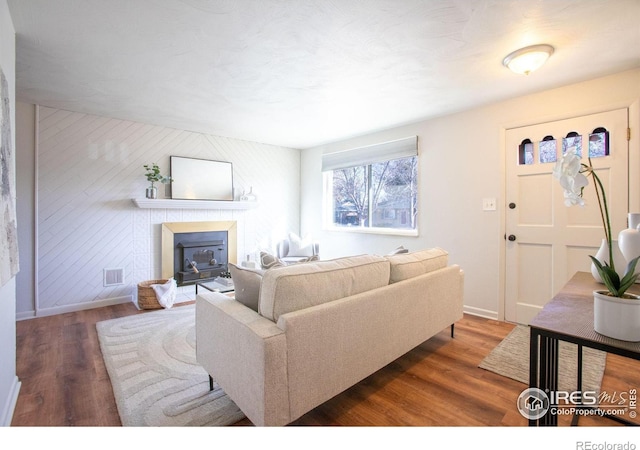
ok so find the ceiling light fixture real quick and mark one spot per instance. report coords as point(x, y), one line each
point(528, 59)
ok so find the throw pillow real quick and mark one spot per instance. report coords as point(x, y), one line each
point(399, 251)
point(268, 261)
point(299, 246)
point(246, 283)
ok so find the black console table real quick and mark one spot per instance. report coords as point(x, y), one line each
point(569, 317)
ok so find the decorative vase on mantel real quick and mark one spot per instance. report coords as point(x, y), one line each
point(616, 317)
point(629, 240)
point(603, 256)
point(248, 197)
point(152, 192)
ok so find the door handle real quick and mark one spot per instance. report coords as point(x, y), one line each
point(512, 237)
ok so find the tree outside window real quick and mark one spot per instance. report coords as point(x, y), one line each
point(379, 195)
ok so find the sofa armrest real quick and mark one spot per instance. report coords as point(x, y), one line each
point(245, 354)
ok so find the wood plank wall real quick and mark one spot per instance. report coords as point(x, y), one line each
point(90, 167)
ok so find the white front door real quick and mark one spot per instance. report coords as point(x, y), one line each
point(547, 242)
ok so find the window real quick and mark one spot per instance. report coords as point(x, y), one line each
point(598, 147)
point(599, 143)
point(525, 154)
point(573, 139)
point(548, 152)
point(373, 188)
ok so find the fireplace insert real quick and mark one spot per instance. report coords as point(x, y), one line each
point(200, 256)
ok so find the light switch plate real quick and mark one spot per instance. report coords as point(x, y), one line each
point(488, 204)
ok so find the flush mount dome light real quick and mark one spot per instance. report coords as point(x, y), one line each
point(528, 59)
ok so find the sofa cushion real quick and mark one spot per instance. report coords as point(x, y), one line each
point(300, 286)
point(409, 265)
point(246, 284)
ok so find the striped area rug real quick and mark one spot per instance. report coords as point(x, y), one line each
point(156, 380)
point(511, 359)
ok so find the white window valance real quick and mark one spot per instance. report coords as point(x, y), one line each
point(362, 156)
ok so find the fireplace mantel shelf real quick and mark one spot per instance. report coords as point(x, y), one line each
point(167, 203)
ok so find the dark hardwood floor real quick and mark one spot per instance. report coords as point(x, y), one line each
point(65, 382)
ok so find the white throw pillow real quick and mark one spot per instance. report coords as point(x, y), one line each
point(299, 246)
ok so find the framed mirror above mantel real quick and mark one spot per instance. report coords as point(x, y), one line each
point(157, 203)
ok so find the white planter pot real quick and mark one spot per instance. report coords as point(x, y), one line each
point(615, 317)
point(152, 192)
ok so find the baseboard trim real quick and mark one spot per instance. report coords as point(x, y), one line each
point(10, 405)
point(25, 315)
point(83, 306)
point(74, 308)
point(480, 312)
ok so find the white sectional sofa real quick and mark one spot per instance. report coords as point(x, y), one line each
point(321, 327)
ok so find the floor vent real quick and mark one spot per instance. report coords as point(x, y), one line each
point(113, 277)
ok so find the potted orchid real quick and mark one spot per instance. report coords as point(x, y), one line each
point(153, 175)
point(611, 321)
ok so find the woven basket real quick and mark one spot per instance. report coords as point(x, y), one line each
point(147, 296)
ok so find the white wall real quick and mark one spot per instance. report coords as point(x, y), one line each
point(9, 383)
point(462, 162)
point(88, 170)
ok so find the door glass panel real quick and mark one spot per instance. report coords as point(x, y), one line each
point(599, 143)
point(525, 152)
point(573, 139)
point(547, 147)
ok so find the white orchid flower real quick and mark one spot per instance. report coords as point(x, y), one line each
point(567, 171)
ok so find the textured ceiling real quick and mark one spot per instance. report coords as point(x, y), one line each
point(300, 73)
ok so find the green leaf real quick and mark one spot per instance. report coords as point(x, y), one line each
point(631, 267)
point(630, 276)
point(611, 279)
point(609, 276)
point(630, 282)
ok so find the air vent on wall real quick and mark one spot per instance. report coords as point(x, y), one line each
point(113, 277)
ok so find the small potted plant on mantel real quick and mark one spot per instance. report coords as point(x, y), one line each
point(153, 175)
